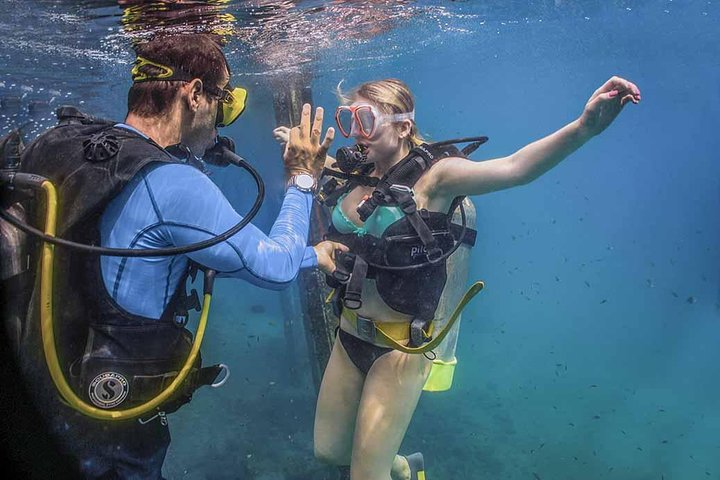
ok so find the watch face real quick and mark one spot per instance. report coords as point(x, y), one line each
point(304, 181)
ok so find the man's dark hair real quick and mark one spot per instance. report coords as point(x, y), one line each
point(193, 55)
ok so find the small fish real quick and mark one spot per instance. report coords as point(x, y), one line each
point(640, 449)
point(604, 301)
point(257, 309)
point(571, 424)
point(537, 477)
point(691, 300)
point(674, 294)
point(596, 417)
point(587, 284)
point(593, 386)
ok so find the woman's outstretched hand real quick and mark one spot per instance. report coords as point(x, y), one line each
point(606, 103)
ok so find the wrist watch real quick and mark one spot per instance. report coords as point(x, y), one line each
point(303, 182)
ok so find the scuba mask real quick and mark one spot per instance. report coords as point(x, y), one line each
point(231, 104)
point(362, 120)
point(231, 100)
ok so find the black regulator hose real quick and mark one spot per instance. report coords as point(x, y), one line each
point(221, 151)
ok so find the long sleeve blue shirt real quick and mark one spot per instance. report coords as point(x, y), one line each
point(168, 205)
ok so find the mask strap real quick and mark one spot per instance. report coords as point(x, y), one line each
point(399, 117)
point(166, 73)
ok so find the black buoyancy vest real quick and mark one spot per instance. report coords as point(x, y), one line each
point(413, 284)
point(90, 161)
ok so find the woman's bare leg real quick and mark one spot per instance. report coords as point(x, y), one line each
point(337, 406)
point(392, 389)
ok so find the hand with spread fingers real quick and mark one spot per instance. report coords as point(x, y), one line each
point(304, 152)
point(606, 103)
point(325, 252)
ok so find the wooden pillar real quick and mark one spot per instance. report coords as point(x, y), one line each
point(305, 300)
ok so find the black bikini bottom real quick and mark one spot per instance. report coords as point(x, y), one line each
point(363, 354)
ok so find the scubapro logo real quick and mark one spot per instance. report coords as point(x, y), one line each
point(108, 390)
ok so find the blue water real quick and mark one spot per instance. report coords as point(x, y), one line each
point(592, 353)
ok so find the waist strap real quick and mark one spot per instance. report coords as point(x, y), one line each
point(387, 337)
point(390, 333)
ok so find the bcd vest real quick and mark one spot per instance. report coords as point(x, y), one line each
point(90, 161)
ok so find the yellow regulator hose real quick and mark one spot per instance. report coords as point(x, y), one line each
point(48, 336)
point(474, 289)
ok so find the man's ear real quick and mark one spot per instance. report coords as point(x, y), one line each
point(194, 91)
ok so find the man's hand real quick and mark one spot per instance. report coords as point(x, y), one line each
point(304, 152)
point(325, 252)
point(606, 103)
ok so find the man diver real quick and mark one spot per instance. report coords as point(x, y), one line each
point(127, 314)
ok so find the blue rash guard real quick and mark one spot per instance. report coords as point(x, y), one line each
point(167, 205)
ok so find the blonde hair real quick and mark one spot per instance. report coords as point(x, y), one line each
point(391, 96)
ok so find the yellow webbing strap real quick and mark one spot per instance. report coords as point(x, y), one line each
point(474, 289)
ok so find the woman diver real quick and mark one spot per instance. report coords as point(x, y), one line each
point(394, 186)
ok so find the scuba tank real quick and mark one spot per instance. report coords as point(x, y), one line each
point(16, 267)
point(458, 266)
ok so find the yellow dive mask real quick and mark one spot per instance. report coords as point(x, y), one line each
point(231, 104)
point(231, 100)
